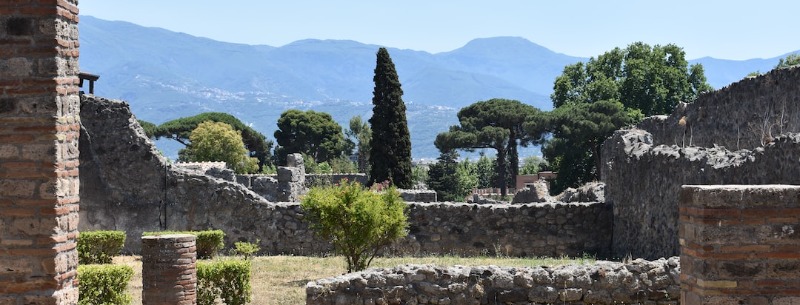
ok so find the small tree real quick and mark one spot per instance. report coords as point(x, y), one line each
point(216, 141)
point(357, 221)
point(789, 61)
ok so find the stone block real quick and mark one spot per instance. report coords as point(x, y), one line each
point(289, 174)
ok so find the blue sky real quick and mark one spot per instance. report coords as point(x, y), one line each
point(721, 29)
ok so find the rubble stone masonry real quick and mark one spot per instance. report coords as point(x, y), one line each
point(39, 128)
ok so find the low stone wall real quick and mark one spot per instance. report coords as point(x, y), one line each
point(418, 195)
point(639, 282)
point(740, 244)
point(329, 179)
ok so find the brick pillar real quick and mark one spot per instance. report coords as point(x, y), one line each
point(169, 270)
point(39, 128)
point(740, 244)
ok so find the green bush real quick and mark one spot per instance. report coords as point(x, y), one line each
point(246, 249)
point(209, 242)
point(103, 284)
point(228, 280)
point(99, 247)
point(358, 221)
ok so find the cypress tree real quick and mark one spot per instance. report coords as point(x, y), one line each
point(390, 149)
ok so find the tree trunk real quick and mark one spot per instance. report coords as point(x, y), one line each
point(501, 170)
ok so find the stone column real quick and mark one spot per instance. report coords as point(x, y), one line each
point(39, 128)
point(740, 244)
point(169, 270)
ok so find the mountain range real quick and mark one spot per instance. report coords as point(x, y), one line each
point(165, 75)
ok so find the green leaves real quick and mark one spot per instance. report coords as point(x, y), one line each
point(309, 132)
point(357, 221)
point(216, 141)
point(497, 124)
point(179, 130)
point(390, 147)
point(99, 247)
point(104, 284)
point(228, 280)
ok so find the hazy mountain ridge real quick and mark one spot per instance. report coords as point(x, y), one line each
point(165, 75)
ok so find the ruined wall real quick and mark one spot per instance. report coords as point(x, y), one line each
point(737, 116)
point(740, 244)
point(160, 197)
point(643, 176)
point(602, 283)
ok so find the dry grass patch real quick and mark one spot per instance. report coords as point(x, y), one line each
point(281, 280)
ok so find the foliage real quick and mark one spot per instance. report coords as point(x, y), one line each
point(208, 242)
point(390, 148)
point(357, 221)
point(496, 124)
point(419, 174)
point(651, 79)
point(228, 280)
point(180, 129)
point(103, 284)
point(579, 130)
point(150, 129)
point(217, 141)
point(485, 171)
point(532, 165)
point(789, 61)
point(309, 132)
point(451, 180)
point(360, 134)
point(343, 165)
point(615, 89)
point(246, 249)
point(99, 247)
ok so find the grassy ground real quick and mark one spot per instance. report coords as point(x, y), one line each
point(281, 280)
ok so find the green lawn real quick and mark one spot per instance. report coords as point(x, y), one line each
point(282, 279)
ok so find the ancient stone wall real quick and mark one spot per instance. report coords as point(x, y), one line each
point(740, 244)
point(39, 128)
point(159, 197)
point(739, 116)
point(643, 176)
point(602, 283)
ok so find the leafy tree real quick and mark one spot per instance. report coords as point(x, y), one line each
point(217, 141)
point(309, 132)
point(360, 134)
point(390, 148)
point(615, 89)
point(496, 124)
point(179, 130)
point(789, 61)
point(579, 130)
point(451, 180)
point(357, 221)
point(651, 79)
point(485, 171)
point(419, 174)
point(532, 165)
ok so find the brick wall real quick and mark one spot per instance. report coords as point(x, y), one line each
point(740, 244)
point(39, 127)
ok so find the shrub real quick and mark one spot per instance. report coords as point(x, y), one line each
point(246, 249)
point(358, 222)
point(99, 247)
point(209, 242)
point(228, 280)
point(103, 284)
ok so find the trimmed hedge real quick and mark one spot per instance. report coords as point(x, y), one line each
point(209, 242)
point(228, 280)
point(103, 284)
point(99, 247)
